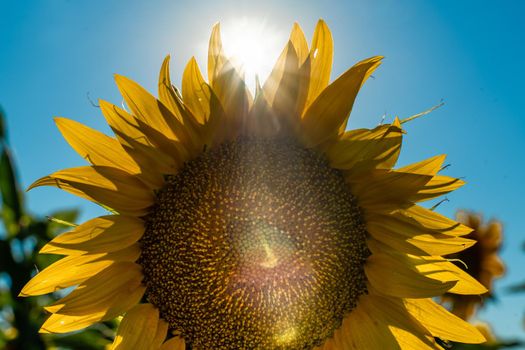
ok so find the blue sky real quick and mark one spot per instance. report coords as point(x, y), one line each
point(468, 53)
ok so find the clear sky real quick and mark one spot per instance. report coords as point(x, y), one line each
point(468, 53)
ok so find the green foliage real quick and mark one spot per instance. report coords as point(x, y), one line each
point(23, 236)
point(11, 206)
point(3, 132)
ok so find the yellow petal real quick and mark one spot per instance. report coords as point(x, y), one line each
point(442, 323)
point(103, 234)
point(409, 333)
point(75, 269)
point(428, 166)
point(438, 186)
point(157, 121)
point(129, 254)
point(112, 291)
point(286, 88)
point(172, 99)
point(122, 122)
point(168, 94)
point(332, 107)
point(180, 149)
point(431, 220)
point(109, 186)
point(152, 161)
point(64, 324)
point(380, 323)
point(65, 273)
point(287, 93)
point(216, 58)
point(330, 344)
point(402, 281)
point(393, 274)
point(174, 343)
point(262, 120)
point(321, 55)
point(363, 149)
point(94, 146)
point(230, 89)
point(127, 128)
point(408, 238)
point(299, 43)
point(160, 335)
point(410, 341)
point(271, 84)
point(209, 133)
point(203, 123)
point(387, 188)
point(438, 268)
point(144, 106)
point(303, 78)
point(196, 92)
point(138, 329)
point(361, 330)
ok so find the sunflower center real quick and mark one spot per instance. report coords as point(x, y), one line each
point(256, 244)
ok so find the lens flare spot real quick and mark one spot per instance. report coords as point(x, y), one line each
point(287, 336)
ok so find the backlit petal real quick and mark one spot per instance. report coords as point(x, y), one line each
point(321, 56)
point(196, 92)
point(442, 323)
point(95, 147)
point(64, 324)
point(363, 149)
point(138, 329)
point(216, 57)
point(299, 43)
point(112, 291)
point(332, 107)
point(99, 235)
point(394, 276)
point(111, 187)
point(174, 343)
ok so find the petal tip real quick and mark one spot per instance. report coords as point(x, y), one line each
point(35, 184)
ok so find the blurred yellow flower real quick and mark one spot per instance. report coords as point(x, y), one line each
point(243, 222)
point(486, 330)
point(481, 261)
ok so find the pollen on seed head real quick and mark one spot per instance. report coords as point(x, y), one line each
point(256, 244)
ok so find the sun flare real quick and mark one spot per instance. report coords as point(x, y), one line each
point(248, 42)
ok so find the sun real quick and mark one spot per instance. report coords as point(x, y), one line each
point(248, 43)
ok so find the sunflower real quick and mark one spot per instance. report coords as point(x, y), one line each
point(481, 260)
point(240, 222)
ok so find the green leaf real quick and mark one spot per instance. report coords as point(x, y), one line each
point(34, 227)
point(89, 339)
point(5, 256)
point(5, 298)
point(3, 129)
point(9, 190)
point(44, 260)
